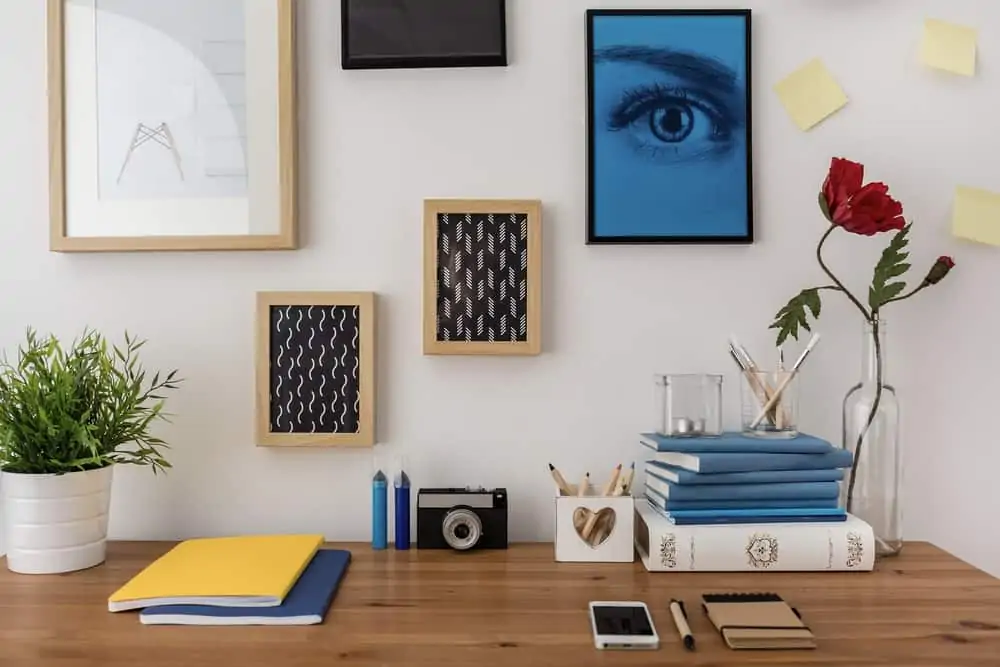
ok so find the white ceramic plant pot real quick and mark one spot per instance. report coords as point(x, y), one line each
point(55, 523)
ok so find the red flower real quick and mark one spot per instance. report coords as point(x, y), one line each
point(859, 209)
point(842, 183)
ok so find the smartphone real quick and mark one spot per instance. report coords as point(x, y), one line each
point(623, 625)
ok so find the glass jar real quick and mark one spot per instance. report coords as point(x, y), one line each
point(691, 405)
point(770, 404)
point(872, 488)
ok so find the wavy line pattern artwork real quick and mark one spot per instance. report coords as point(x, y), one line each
point(482, 282)
point(314, 369)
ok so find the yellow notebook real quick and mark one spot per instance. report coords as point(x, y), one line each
point(252, 571)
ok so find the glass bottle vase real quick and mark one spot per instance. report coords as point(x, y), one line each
point(872, 487)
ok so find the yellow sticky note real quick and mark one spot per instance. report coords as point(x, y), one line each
point(949, 47)
point(810, 94)
point(976, 215)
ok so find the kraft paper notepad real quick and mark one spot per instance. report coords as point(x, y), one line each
point(976, 215)
point(949, 47)
point(252, 571)
point(757, 621)
point(810, 94)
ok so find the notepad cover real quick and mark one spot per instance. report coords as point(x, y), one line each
point(256, 570)
point(757, 621)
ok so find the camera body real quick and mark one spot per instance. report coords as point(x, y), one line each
point(462, 519)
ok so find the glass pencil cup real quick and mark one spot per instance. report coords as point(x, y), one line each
point(770, 404)
point(690, 405)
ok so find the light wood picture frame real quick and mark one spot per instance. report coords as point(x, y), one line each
point(315, 369)
point(187, 139)
point(482, 277)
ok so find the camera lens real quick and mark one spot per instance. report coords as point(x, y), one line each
point(461, 529)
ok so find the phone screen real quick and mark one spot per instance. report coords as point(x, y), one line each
point(629, 621)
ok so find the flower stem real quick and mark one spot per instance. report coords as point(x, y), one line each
point(871, 413)
point(923, 285)
point(836, 281)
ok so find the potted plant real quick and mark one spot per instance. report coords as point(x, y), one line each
point(66, 418)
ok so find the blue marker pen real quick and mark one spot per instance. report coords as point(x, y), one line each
point(402, 502)
point(380, 511)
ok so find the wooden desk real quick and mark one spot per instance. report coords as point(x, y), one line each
point(442, 609)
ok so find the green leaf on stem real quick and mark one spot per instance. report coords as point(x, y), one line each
point(891, 265)
point(795, 314)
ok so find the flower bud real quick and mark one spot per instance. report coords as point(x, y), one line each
point(941, 267)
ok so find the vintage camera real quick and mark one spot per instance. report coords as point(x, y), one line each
point(462, 519)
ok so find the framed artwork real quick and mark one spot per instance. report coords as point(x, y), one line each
point(172, 125)
point(316, 369)
point(482, 277)
point(387, 34)
point(669, 126)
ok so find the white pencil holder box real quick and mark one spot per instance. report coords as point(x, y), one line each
point(595, 529)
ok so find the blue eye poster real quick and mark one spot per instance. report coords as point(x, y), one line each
point(669, 146)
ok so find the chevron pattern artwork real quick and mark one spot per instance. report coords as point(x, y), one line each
point(314, 375)
point(482, 281)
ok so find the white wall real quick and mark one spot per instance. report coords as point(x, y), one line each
point(374, 144)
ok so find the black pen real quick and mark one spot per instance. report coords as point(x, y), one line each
point(680, 620)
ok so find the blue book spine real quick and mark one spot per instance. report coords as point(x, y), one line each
point(402, 506)
point(761, 512)
point(380, 512)
point(790, 491)
point(719, 462)
point(686, 477)
point(737, 442)
point(672, 504)
point(723, 517)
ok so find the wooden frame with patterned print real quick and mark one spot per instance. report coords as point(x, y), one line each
point(469, 307)
point(315, 384)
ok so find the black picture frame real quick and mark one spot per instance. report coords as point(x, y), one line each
point(593, 237)
point(352, 62)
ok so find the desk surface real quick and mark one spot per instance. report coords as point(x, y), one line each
point(516, 607)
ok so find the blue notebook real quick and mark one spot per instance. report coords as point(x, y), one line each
point(716, 462)
point(306, 604)
point(686, 477)
point(737, 442)
point(794, 491)
point(672, 504)
point(789, 515)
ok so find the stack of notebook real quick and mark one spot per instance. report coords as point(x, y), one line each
point(255, 580)
point(741, 479)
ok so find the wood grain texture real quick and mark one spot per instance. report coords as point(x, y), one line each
point(365, 436)
point(533, 209)
point(517, 607)
point(286, 136)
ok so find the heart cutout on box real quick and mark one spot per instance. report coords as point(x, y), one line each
point(594, 528)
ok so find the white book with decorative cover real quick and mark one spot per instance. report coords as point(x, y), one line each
point(760, 547)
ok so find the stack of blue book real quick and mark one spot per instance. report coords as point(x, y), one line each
point(736, 478)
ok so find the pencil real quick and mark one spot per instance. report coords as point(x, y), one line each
point(625, 485)
point(584, 485)
point(560, 481)
point(588, 528)
point(609, 489)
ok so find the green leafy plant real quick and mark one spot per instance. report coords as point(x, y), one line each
point(84, 408)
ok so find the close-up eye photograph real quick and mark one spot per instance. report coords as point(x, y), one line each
point(669, 126)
